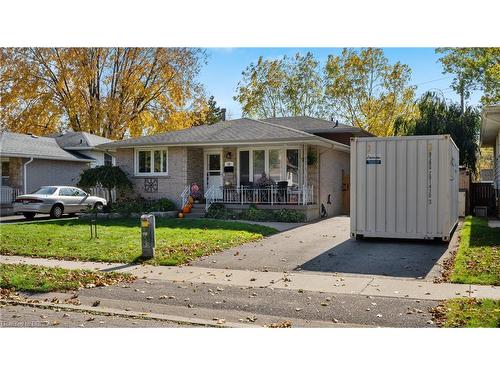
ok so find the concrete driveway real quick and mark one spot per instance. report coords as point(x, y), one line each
point(325, 247)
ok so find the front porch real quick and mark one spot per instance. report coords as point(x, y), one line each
point(282, 175)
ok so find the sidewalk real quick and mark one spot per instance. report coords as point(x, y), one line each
point(328, 283)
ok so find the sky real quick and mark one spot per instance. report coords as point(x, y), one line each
point(223, 70)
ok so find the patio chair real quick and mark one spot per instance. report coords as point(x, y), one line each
point(282, 191)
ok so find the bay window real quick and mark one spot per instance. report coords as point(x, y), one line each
point(151, 162)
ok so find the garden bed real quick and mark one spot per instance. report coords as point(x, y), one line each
point(134, 215)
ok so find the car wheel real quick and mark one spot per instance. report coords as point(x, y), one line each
point(57, 211)
point(29, 215)
point(98, 206)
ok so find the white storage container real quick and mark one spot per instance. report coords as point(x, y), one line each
point(404, 187)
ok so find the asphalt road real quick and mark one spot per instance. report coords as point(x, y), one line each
point(208, 301)
point(12, 219)
point(30, 317)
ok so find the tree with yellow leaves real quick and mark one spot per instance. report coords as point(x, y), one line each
point(111, 92)
point(364, 90)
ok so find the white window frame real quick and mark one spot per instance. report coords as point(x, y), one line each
point(207, 151)
point(266, 149)
point(152, 151)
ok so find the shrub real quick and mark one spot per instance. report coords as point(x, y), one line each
point(289, 216)
point(163, 204)
point(109, 177)
point(218, 211)
point(143, 205)
point(255, 214)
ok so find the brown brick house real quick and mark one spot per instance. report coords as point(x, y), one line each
point(292, 162)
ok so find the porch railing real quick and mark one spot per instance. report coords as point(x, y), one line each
point(185, 196)
point(271, 195)
point(8, 194)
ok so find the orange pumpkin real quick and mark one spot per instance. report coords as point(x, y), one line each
point(181, 215)
point(186, 209)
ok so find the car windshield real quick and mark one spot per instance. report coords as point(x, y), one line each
point(45, 190)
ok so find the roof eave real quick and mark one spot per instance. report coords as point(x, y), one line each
point(20, 155)
point(490, 126)
point(111, 146)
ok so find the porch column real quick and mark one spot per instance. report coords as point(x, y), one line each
point(304, 165)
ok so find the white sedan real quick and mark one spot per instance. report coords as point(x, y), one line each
point(56, 200)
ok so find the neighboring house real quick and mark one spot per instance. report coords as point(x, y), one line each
point(30, 161)
point(85, 144)
point(490, 137)
point(307, 160)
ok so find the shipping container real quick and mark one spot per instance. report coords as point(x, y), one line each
point(404, 187)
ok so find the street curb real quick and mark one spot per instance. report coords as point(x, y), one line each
point(127, 314)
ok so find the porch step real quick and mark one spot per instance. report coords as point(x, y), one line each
point(198, 205)
point(195, 215)
point(197, 211)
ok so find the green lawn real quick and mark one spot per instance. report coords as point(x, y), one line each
point(177, 240)
point(478, 256)
point(22, 277)
point(469, 312)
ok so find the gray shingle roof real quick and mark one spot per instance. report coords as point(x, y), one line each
point(232, 131)
point(79, 140)
point(25, 145)
point(314, 125)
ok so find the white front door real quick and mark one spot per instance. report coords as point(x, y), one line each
point(214, 172)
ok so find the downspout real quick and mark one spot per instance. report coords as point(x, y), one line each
point(24, 174)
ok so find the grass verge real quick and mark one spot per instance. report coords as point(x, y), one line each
point(39, 279)
point(468, 313)
point(478, 256)
point(177, 241)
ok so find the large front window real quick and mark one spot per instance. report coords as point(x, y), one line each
point(278, 164)
point(292, 167)
point(151, 162)
point(259, 164)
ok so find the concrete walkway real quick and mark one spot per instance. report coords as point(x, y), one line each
point(354, 285)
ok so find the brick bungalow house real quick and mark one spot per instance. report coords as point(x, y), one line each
point(289, 162)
